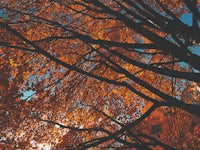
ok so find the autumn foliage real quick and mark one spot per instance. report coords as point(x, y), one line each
point(99, 74)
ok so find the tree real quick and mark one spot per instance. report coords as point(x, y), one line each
point(101, 73)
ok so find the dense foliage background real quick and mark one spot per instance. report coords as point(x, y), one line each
point(81, 74)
